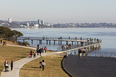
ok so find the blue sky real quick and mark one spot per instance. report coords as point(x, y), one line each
point(59, 11)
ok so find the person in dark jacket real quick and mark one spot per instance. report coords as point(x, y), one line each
point(43, 64)
point(40, 50)
point(11, 64)
point(37, 51)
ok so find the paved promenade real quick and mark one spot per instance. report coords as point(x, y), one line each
point(18, 64)
point(90, 66)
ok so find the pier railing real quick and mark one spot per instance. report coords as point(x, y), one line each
point(50, 38)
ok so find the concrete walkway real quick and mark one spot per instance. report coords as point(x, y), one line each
point(18, 64)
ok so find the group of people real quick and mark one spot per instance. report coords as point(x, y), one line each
point(64, 47)
point(81, 52)
point(38, 51)
point(32, 53)
point(7, 66)
point(41, 50)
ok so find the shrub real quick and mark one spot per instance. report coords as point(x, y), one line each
point(25, 43)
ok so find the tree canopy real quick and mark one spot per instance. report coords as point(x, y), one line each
point(6, 32)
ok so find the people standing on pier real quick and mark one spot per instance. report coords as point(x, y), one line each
point(75, 38)
point(45, 48)
point(83, 52)
point(81, 43)
point(80, 38)
point(80, 52)
point(11, 64)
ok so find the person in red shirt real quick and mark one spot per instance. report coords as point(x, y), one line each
point(45, 49)
point(34, 54)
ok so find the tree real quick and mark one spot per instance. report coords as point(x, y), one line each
point(6, 32)
point(16, 33)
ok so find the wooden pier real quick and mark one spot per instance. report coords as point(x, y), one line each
point(87, 44)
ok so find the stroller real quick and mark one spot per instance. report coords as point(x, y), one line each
point(6, 66)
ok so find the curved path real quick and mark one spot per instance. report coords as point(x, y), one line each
point(18, 64)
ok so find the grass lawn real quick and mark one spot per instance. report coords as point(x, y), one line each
point(52, 67)
point(11, 53)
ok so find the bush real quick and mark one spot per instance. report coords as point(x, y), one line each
point(25, 43)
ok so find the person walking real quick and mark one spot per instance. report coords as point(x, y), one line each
point(40, 50)
point(11, 65)
point(31, 52)
point(37, 51)
point(34, 54)
point(6, 64)
point(45, 49)
point(43, 64)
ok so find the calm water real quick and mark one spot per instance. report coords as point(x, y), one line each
point(107, 35)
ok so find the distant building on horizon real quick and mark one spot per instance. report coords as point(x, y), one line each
point(9, 20)
point(42, 22)
point(39, 21)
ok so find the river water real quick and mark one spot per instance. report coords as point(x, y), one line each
point(107, 35)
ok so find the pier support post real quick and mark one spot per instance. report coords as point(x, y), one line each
point(46, 41)
point(89, 49)
point(86, 49)
point(23, 40)
point(49, 42)
point(67, 42)
point(72, 42)
point(54, 42)
point(77, 43)
point(93, 47)
point(99, 46)
point(96, 46)
point(31, 41)
point(40, 41)
point(61, 42)
point(75, 52)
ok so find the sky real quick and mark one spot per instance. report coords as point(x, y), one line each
point(59, 11)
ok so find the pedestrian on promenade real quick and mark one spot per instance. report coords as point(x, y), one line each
point(45, 49)
point(40, 50)
point(31, 53)
point(1, 41)
point(34, 54)
point(4, 43)
point(6, 64)
point(37, 51)
point(11, 64)
point(43, 64)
